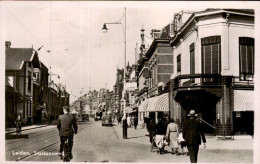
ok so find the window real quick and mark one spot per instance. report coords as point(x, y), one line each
point(211, 55)
point(29, 81)
point(246, 58)
point(179, 64)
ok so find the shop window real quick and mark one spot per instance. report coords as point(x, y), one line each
point(246, 58)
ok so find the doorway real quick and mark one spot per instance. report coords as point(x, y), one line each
point(204, 103)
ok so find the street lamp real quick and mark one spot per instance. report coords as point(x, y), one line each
point(105, 29)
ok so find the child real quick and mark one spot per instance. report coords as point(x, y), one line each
point(182, 145)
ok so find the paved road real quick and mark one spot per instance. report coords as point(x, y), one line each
point(102, 144)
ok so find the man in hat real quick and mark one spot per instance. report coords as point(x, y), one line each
point(192, 134)
point(67, 126)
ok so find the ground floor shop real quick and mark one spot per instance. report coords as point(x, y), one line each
point(224, 111)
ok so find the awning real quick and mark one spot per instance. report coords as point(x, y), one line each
point(129, 110)
point(162, 103)
point(243, 100)
point(143, 106)
point(159, 103)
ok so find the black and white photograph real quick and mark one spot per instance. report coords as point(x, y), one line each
point(135, 81)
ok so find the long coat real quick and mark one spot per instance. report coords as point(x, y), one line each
point(172, 133)
point(192, 132)
point(67, 124)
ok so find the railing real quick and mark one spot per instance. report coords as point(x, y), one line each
point(242, 83)
point(197, 80)
point(209, 80)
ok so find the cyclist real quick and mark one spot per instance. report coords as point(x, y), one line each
point(67, 126)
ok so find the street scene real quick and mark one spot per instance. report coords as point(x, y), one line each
point(167, 83)
point(97, 143)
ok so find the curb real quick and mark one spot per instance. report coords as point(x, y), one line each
point(27, 129)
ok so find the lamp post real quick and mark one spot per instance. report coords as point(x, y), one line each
point(104, 29)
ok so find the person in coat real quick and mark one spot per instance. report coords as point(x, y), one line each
point(192, 134)
point(160, 134)
point(151, 130)
point(67, 126)
point(172, 135)
point(135, 121)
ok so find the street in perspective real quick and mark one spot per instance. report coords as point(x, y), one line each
point(116, 84)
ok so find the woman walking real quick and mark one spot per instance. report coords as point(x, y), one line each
point(172, 134)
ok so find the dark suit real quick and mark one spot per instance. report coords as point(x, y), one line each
point(160, 128)
point(67, 125)
point(192, 133)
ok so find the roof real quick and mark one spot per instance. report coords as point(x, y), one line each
point(15, 57)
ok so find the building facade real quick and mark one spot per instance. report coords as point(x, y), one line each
point(20, 66)
point(213, 54)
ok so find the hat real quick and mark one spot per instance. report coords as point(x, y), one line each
point(192, 113)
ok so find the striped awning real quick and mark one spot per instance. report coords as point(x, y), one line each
point(243, 100)
point(159, 103)
point(129, 110)
point(143, 106)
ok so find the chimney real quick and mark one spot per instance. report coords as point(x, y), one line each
point(7, 44)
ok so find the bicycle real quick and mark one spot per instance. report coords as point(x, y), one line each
point(67, 153)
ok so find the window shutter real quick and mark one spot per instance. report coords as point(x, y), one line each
point(207, 59)
point(243, 58)
point(179, 63)
point(250, 67)
point(215, 59)
point(192, 59)
point(211, 55)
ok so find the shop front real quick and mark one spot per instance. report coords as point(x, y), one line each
point(243, 114)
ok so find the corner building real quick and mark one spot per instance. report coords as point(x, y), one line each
point(213, 55)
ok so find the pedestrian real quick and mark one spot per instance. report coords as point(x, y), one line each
point(135, 121)
point(182, 144)
point(159, 138)
point(18, 123)
point(192, 134)
point(172, 136)
point(128, 121)
point(67, 126)
point(166, 122)
point(151, 130)
point(119, 119)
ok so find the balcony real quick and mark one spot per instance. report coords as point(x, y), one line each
point(206, 81)
point(184, 81)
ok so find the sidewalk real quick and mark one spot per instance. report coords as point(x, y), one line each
point(13, 130)
point(140, 136)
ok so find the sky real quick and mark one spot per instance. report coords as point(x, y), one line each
point(74, 45)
